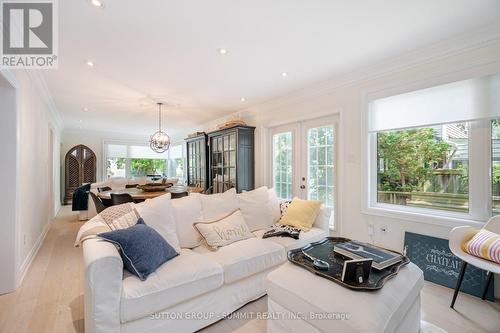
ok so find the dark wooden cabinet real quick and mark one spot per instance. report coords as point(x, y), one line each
point(231, 159)
point(197, 161)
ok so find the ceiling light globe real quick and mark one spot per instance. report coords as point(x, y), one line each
point(96, 3)
point(160, 142)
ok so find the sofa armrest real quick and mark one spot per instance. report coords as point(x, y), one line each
point(323, 219)
point(103, 286)
point(458, 236)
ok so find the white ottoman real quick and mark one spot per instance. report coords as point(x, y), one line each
point(301, 302)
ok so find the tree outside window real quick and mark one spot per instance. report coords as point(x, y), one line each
point(424, 167)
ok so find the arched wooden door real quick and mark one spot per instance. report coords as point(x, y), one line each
point(80, 168)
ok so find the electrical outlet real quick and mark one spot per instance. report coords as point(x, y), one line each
point(371, 230)
point(24, 240)
point(384, 228)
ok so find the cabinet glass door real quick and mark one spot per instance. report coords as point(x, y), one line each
point(223, 162)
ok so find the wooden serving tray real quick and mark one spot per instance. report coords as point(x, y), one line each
point(153, 187)
point(324, 250)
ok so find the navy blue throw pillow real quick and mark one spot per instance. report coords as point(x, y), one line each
point(143, 249)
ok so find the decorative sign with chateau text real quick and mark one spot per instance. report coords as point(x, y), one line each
point(441, 266)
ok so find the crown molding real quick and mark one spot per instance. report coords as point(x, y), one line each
point(475, 40)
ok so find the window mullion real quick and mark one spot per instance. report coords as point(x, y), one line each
point(479, 170)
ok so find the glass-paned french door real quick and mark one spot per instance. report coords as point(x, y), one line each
point(283, 164)
point(303, 161)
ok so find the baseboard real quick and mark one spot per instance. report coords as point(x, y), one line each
point(32, 254)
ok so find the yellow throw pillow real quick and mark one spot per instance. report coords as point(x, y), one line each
point(301, 214)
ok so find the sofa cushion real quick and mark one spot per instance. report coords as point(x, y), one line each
point(187, 211)
point(184, 277)
point(222, 232)
point(255, 208)
point(274, 205)
point(245, 258)
point(305, 237)
point(158, 214)
point(215, 206)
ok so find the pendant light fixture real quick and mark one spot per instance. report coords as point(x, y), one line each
point(160, 141)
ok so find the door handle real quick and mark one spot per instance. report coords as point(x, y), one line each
point(302, 187)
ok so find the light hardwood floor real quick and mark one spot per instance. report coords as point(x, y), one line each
point(51, 296)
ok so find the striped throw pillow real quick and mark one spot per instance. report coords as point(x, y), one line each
point(485, 244)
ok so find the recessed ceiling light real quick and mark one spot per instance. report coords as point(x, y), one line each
point(90, 63)
point(96, 3)
point(223, 51)
point(243, 99)
point(85, 109)
point(284, 74)
point(80, 121)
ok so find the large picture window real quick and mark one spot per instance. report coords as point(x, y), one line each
point(434, 153)
point(134, 161)
point(425, 167)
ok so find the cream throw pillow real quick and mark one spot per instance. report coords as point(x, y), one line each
point(157, 213)
point(120, 216)
point(301, 214)
point(255, 208)
point(222, 232)
point(216, 206)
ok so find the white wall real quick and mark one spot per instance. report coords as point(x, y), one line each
point(34, 205)
point(8, 147)
point(462, 58)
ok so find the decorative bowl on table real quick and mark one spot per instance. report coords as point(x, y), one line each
point(153, 187)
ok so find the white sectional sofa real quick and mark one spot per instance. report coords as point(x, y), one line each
point(196, 288)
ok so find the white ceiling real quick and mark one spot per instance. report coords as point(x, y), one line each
point(152, 50)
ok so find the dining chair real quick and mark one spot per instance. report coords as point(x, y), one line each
point(99, 206)
point(131, 185)
point(118, 199)
point(178, 195)
point(459, 236)
point(103, 189)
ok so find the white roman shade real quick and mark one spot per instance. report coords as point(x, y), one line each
point(176, 151)
point(146, 152)
point(132, 151)
point(116, 151)
point(454, 102)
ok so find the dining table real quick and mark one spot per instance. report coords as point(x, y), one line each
point(139, 195)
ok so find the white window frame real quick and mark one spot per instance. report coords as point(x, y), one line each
point(479, 182)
